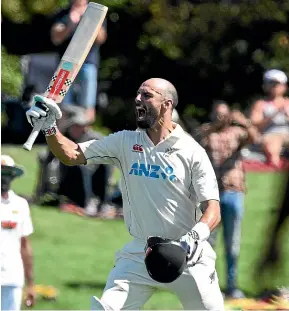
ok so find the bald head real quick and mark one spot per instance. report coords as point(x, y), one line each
point(164, 87)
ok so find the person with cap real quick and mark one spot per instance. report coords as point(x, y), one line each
point(271, 116)
point(16, 251)
point(170, 202)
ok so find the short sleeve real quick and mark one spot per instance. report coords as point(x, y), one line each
point(103, 151)
point(27, 226)
point(203, 177)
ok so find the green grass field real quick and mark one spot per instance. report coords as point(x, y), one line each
point(76, 254)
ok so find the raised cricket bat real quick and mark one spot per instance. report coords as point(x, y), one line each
point(72, 60)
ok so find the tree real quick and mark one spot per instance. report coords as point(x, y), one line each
point(208, 50)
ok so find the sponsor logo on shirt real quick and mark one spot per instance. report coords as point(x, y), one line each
point(8, 224)
point(152, 171)
point(137, 148)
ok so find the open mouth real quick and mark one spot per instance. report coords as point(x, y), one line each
point(141, 113)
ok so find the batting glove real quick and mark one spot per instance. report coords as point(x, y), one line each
point(192, 242)
point(44, 108)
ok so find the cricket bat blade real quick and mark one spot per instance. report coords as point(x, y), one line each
point(72, 60)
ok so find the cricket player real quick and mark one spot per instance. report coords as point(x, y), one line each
point(16, 252)
point(170, 202)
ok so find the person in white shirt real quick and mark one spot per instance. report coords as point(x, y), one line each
point(169, 190)
point(16, 252)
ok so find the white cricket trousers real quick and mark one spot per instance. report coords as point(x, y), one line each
point(11, 297)
point(129, 286)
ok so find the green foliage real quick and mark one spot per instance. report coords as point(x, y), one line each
point(277, 55)
point(21, 11)
point(220, 49)
point(193, 111)
point(11, 78)
point(201, 27)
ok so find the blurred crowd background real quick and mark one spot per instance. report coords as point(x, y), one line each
point(225, 58)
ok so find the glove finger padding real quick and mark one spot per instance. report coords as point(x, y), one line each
point(44, 109)
point(32, 115)
point(41, 112)
point(51, 104)
point(196, 251)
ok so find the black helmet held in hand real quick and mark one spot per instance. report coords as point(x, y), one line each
point(165, 259)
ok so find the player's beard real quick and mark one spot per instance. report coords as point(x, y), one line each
point(146, 117)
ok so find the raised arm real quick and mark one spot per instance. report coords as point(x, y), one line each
point(103, 151)
point(205, 130)
point(257, 116)
point(64, 28)
point(61, 31)
point(64, 149)
point(67, 151)
point(249, 133)
point(101, 37)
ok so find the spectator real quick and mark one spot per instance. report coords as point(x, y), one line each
point(15, 129)
point(223, 139)
point(16, 251)
point(271, 116)
point(83, 92)
point(87, 194)
point(37, 70)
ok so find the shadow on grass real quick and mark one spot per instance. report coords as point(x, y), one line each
point(85, 285)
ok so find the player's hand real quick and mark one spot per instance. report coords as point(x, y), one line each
point(193, 246)
point(239, 118)
point(30, 297)
point(76, 12)
point(43, 108)
point(74, 16)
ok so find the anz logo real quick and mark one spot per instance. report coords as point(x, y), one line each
point(152, 171)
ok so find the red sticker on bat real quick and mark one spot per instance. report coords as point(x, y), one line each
point(58, 83)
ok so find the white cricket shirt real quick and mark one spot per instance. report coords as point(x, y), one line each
point(161, 185)
point(15, 224)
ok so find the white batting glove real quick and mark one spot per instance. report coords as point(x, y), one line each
point(193, 247)
point(193, 242)
point(44, 108)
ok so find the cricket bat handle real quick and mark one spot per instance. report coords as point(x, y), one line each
point(34, 133)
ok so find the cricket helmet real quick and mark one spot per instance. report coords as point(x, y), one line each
point(165, 259)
